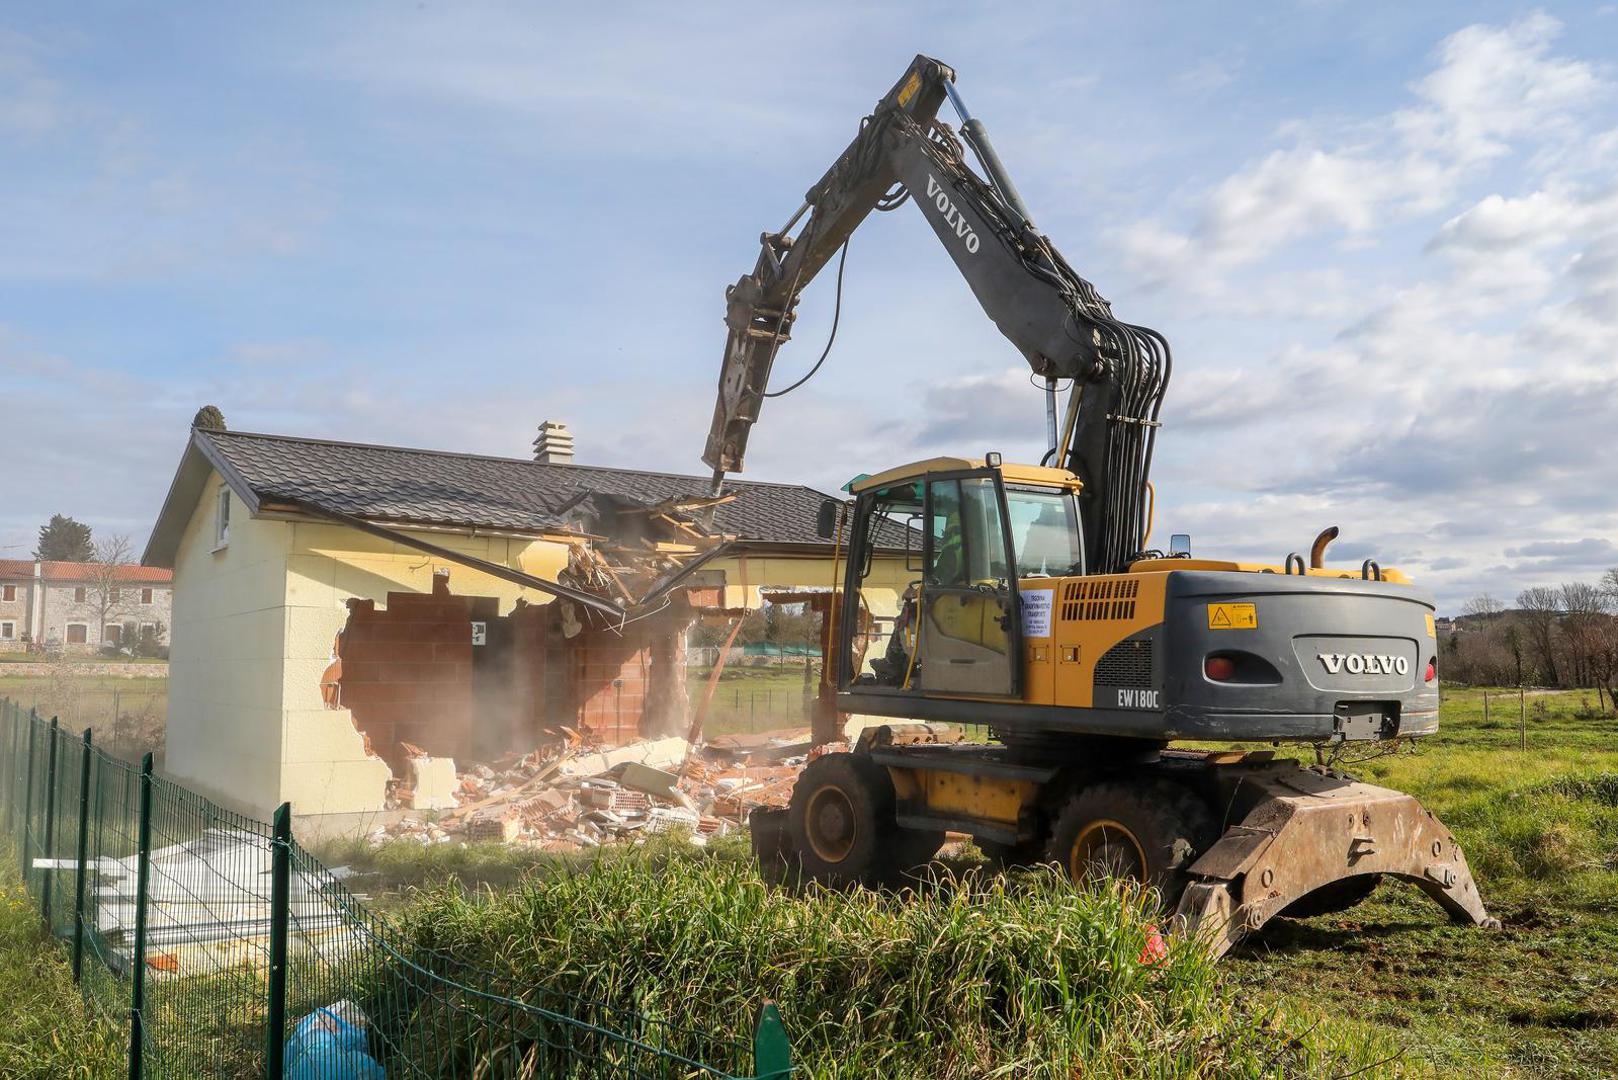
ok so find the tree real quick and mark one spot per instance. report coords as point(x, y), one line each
point(1484, 606)
point(64, 540)
point(1541, 607)
point(106, 590)
point(1514, 646)
point(1583, 628)
point(209, 418)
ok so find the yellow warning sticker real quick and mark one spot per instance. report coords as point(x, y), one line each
point(1232, 617)
point(1432, 627)
point(910, 87)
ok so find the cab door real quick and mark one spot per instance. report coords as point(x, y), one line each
point(969, 641)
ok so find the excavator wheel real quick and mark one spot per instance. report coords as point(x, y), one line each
point(841, 820)
point(1147, 830)
point(1330, 899)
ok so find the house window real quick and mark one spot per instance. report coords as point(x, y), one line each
point(114, 595)
point(77, 633)
point(148, 628)
point(8, 631)
point(112, 634)
point(146, 596)
point(8, 593)
point(79, 594)
point(221, 530)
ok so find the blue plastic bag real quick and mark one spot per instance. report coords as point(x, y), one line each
point(324, 1046)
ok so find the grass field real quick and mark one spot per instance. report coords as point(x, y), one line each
point(80, 699)
point(749, 699)
point(984, 972)
point(45, 1031)
point(1538, 998)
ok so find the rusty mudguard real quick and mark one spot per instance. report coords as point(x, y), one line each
point(1308, 829)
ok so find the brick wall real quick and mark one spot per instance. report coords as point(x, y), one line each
point(609, 673)
point(410, 673)
point(407, 674)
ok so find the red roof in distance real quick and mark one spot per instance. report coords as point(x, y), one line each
point(15, 569)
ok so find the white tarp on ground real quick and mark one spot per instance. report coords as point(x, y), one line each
point(204, 892)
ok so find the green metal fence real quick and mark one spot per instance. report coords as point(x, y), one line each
point(227, 950)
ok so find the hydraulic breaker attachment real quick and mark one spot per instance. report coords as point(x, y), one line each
point(1308, 830)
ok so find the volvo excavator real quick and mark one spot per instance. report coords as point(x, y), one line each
point(1038, 610)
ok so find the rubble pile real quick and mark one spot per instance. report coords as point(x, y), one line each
point(568, 795)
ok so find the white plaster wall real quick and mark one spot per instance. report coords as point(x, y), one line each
point(224, 725)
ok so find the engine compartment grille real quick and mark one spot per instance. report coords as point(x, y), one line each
point(1127, 664)
point(1102, 599)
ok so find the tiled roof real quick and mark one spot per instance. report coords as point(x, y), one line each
point(388, 483)
point(12, 569)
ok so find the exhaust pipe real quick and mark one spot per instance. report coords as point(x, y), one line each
point(1317, 550)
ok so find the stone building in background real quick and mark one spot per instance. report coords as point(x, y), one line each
point(77, 608)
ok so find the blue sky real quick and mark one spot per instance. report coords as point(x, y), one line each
point(1383, 239)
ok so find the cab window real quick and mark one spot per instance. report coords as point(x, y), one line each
point(1045, 528)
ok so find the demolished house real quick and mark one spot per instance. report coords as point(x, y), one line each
point(361, 630)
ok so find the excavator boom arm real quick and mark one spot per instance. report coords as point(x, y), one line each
point(1056, 319)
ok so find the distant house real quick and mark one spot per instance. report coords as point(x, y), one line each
point(80, 607)
point(315, 650)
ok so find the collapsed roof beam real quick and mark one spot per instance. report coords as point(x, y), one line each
point(493, 569)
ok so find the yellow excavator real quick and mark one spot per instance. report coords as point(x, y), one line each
point(1038, 610)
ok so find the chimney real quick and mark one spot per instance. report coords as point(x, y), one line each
point(554, 445)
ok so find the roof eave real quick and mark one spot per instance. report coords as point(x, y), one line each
point(190, 478)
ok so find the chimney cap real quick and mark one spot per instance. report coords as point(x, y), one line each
point(554, 445)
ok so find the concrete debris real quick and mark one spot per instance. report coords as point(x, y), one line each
point(570, 796)
point(646, 779)
point(432, 782)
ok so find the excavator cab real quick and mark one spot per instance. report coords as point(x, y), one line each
point(971, 532)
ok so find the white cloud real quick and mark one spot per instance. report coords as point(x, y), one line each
point(1495, 84)
point(1492, 85)
point(1449, 404)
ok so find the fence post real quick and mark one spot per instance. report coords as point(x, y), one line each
point(9, 707)
point(280, 901)
point(45, 880)
point(772, 1052)
point(1522, 718)
point(1485, 706)
point(28, 799)
point(80, 873)
point(137, 977)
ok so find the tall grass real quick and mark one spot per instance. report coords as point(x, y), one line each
point(972, 975)
point(45, 1030)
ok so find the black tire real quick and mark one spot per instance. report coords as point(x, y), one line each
point(1004, 856)
point(841, 820)
point(1330, 899)
point(1149, 830)
point(908, 851)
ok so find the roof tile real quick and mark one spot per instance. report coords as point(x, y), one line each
point(435, 487)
